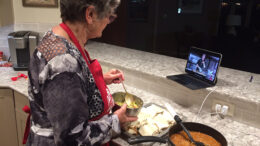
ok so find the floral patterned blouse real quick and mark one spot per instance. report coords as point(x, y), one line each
point(64, 98)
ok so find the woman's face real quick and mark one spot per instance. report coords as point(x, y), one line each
point(99, 25)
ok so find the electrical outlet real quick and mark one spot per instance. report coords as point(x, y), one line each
point(218, 108)
point(229, 108)
point(224, 109)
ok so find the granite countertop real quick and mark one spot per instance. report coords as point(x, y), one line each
point(237, 134)
point(20, 85)
point(231, 82)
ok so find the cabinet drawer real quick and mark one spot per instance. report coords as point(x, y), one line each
point(5, 93)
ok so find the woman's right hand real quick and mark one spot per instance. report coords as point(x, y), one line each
point(121, 114)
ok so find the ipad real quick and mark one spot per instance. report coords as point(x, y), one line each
point(203, 64)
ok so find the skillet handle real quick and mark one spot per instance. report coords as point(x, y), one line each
point(141, 139)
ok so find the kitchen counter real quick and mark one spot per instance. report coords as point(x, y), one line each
point(236, 134)
point(21, 85)
point(231, 82)
point(148, 72)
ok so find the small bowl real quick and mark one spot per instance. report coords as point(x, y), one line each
point(120, 97)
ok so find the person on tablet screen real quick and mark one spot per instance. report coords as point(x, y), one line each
point(201, 65)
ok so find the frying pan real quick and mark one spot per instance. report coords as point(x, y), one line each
point(176, 129)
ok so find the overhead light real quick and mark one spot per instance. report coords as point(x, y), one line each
point(179, 10)
point(224, 4)
point(238, 4)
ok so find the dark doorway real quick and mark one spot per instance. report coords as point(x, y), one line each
point(171, 27)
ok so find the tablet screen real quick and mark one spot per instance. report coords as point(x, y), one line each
point(203, 64)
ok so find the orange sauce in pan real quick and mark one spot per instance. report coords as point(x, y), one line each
point(182, 139)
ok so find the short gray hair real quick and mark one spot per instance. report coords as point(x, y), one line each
point(74, 10)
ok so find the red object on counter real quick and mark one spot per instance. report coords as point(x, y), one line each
point(27, 128)
point(7, 64)
point(1, 56)
point(20, 75)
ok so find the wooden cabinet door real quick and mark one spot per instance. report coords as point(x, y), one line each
point(8, 133)
point(21, 116)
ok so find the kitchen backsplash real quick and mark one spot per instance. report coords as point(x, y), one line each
point(4, 31)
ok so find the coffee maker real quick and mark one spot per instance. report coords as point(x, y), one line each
point(22, 45)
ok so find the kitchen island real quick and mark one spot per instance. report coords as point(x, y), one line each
point(239, 90)
point(145, 76)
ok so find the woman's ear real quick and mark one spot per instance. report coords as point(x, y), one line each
point(90, 11)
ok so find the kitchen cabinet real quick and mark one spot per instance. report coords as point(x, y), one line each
point(141, 23)
point(8, 132)
point(12, 117)
point(21, 116)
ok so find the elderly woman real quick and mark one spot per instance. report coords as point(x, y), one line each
point(70, 102)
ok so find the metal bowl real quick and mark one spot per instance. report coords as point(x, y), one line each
point(120, 97)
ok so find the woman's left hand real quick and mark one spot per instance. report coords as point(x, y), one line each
point(114, 76)
point(122, 117)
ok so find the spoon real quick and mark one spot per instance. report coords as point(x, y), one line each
point(129, 99)
point(179, 121)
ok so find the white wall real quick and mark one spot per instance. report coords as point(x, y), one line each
point(6, 13)
point(34, 14)
point(25, 18)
